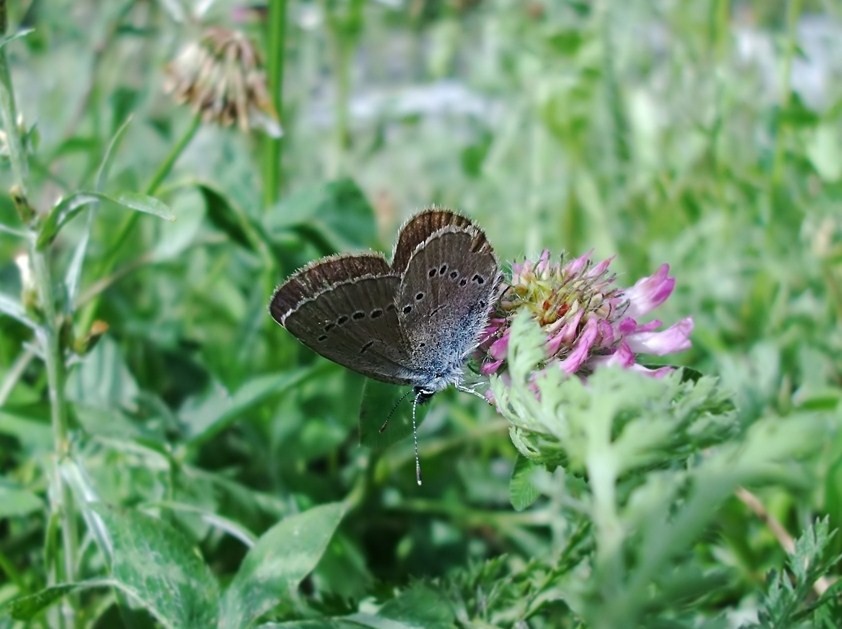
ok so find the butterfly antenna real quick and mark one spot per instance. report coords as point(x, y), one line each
point(415, 439)
point(392, 412)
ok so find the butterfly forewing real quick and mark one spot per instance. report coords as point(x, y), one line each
point(418, 229)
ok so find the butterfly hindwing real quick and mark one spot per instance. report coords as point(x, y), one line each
point(320, 276)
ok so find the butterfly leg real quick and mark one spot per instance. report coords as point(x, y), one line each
point(472, 391)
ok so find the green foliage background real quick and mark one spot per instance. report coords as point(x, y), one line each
point(208, 468)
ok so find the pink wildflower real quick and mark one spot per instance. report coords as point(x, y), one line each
point(588, 320)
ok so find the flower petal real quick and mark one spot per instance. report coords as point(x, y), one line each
point(650, 292)
point(499, 347)
point(565, 335)
point(543, 263)
point(575, 266)
point(607, 337)
point(660, 372)
point(600, 268)
point(622, 357)
point(581, 348)
point(675, 338)
point(489, 368)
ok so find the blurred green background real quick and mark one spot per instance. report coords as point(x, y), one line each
point(707, 135)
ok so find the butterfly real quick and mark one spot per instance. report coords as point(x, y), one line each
point(412, 322)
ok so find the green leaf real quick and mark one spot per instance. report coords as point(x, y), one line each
point(16, 502)
point(567, 42)
point(788, 596)
point(66, 209)
point(110, 150)
point(824, 151)
point(419, 606)
point(74, 270)
point(349, 622)
point(10, 38)
point(183, 233)
point(206, 417)
point(277, 563)
point(28, 426)
point(522, 492)
point(335, 216)
point(229, 217)
point(160, 569)
point(26, 607)
point(12, 307)
point(103, 381)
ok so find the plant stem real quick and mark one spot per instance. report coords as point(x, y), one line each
point(48, 335)
point(8, 112)
point(342, 70)
point(175, 152)
point(343, 90)
point(276, 47)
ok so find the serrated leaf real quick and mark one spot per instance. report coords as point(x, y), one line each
point(277, 563)
point(66, 209)
point(526, 348)
point(788, 598)
point(419, 606)
point(160, 569)
point(522, 492)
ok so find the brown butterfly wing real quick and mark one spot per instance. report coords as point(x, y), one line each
point(419, 228)
point(445, 296)
point(343, 308)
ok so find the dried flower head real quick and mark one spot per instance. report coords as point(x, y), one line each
point(221, 77)
point(586, 318)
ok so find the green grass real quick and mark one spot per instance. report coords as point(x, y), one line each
point(169, 455)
